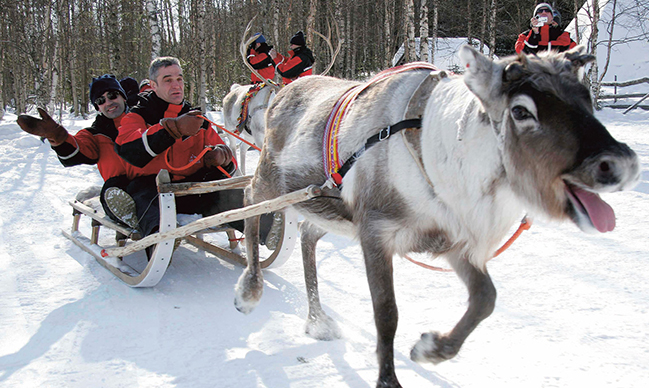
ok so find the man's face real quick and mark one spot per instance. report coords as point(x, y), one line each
point(169, 84)
point(545, 12)
point(113, 104)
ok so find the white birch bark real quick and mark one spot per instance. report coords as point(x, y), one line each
point(410, 31)
point(423, 31)
point(154, 28)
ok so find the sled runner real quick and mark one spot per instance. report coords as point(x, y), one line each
point(128, 241)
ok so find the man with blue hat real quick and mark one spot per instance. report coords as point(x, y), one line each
point(263, 58)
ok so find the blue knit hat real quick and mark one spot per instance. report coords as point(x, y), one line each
point(260, 38)
point(101, 85)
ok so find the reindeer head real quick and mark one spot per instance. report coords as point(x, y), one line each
point(556, 154)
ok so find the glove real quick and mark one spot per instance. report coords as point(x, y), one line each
point(184, 125)
point(221, 155)
point(43, 127)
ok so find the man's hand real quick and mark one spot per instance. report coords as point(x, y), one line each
point(43, 127)
point(221, 155)
point(185, 125)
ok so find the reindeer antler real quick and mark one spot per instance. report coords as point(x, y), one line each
point(243, 47)
point(327, 39)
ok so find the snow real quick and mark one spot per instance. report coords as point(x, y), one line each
point(572, 308)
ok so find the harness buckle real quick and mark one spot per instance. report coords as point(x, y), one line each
point(385, 133)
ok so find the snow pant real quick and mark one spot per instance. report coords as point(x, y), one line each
point(144, 192)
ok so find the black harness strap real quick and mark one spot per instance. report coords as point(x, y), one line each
point(384, 134)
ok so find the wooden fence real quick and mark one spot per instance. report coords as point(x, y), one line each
point(624, 100)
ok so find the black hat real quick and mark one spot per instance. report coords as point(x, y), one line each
point(101, 85)
point(298, 39)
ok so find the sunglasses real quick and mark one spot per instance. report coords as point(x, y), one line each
point(543, 10)
point(111, 95)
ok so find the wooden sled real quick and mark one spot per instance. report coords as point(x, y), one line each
point(111, 257)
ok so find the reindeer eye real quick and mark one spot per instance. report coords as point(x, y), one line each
point(521, 113)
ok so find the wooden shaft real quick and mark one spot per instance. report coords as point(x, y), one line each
point(219, 219)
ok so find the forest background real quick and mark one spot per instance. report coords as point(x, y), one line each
point(51, 49)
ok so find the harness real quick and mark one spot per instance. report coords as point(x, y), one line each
point(242, 121)
point(335, 170)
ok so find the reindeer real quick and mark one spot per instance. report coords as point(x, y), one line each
point(510, 136)
point(253, 129)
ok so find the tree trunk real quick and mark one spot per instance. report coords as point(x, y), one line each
point(593, 75)
point(388, 9)
point(609, 44)
point(423, 31)
point(310, 23)
point(483, 27)
point(201, 54)
point(469, 23)
point(433, 38)
point(576, 8)
point(154, 28)
point(492, 28)
point(410, 53)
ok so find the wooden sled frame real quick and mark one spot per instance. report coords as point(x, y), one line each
point(110, 257)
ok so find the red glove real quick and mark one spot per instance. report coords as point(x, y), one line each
point(187, 124)
point(43, 127)
point(221, 155)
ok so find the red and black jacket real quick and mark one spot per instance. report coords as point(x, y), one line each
point(299, 64)
point(94, 145)
point(548, 38)
point(262, 62)
point(148, 147)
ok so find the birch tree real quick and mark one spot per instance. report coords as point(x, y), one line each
point(154, 29)
point(423, 32)
point(410, 54)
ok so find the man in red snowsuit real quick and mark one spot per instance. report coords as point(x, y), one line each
point(299, 62)
point(545, 34)
point(263, 58)
point(92, 145)
point(163, 132)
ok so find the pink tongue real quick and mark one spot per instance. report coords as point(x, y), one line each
point(600, 212)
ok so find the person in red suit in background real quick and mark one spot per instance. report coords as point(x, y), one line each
point(263, 58)
point(299, 62)
point(545, 33)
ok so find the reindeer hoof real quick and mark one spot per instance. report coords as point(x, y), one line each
point(247, 292)
point(322, 328)
point(433, 347)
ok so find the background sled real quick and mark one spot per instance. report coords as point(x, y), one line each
point(192, 233)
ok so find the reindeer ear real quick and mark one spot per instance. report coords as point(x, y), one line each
point(482, 75)
point(578, 58)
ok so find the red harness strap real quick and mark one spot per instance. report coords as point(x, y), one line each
point(525, 225)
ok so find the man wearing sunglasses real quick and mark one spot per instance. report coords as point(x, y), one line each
point(545, 33)
point(92, 145)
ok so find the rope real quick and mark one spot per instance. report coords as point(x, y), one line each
point(188, 165)
point(525, 225)
point(231, 133)
point(431, 267)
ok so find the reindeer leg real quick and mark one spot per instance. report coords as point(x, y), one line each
point(378, 264)
point(435, 347)
point(250, 286)
point(318, 325)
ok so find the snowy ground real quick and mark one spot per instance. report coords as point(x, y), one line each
point(572, 309)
